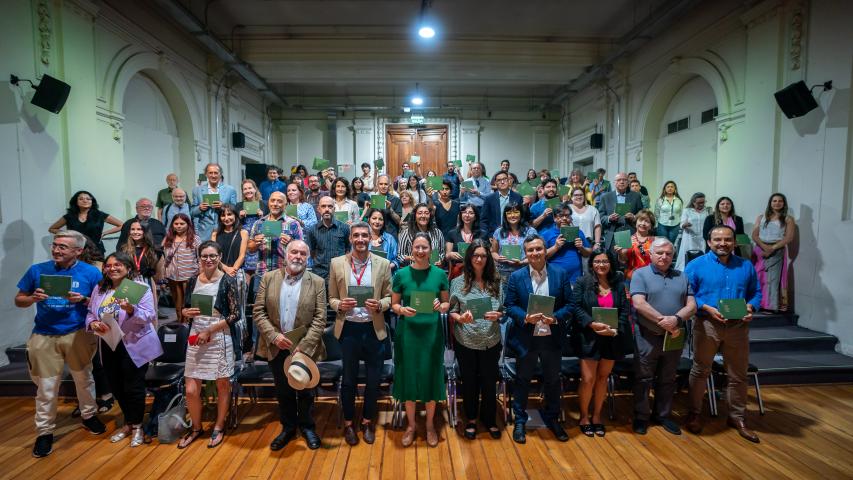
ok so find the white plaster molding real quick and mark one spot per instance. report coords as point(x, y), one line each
point(798, 25)
point(113, 119)
point(45, 31)
point(760, 13)
point(727, 121)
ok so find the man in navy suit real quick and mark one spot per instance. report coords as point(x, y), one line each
point(494, 204)
point(537, 336)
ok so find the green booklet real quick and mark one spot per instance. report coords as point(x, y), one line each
point(743, 239)
point(271, 228)
point(458, 163)
point(252, 208)
point(564, 190)
point(462, 247)
point(622, 209)
point(55, 285)
point(469, 185)
point(436, 183)
point(379, 163)
point(377, 201)
point(470, 158)
point(733, 308)
point(555, 174)
point(422, 301)
point(360, 293)
point(408, 173)
point(210, 198)
point(291, 210)
point(511, 252)
point(622, 238)
point(416, 159)
point(433, 257)
point(671, 343)
point(379, 252)
point(535, 182)
point(342, 216)
point(607, 316)
point(524, 189)
point(479, 306)
point(202, 302)
point(570, 233)
point(130, 291)
point(297, 334)
point(553, 203)
point(320, 163)
point(591, 176)
point(543, 304)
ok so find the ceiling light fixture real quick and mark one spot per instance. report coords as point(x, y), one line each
point(417, 99)
point(425, 29)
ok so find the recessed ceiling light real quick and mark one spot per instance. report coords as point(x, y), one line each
point(417, 100)
point(426, 32)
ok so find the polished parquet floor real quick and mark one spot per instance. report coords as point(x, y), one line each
point(806, 433)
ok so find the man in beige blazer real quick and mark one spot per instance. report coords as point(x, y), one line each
point(360, 327)
point(289, 298)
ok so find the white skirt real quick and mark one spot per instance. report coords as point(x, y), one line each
point(214, 359)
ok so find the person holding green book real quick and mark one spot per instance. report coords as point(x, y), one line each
point(419, 295)
point(467, 230)
point(126, 365)
point(476, 300)
point(601, 311)
point(542, 212)
point(513, 230)
point(380, 240)
point(663, 300)
point(203, 213)
point(720, 276)
point(618, 209)
point(210, 357)
point(306, 213)
point(641, 242)
point(564, 251)
point(421, 221)
point(148, 261)
point(342, 196)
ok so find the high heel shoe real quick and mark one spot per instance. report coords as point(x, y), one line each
point(120, 434)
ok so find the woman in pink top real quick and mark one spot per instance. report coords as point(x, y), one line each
point(598, 344)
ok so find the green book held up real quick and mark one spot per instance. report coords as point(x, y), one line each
point(422, 301)
point(607, 316)
point(479, 306)
point(553, 203)
point(535, 182)
point(555, 174)
point(210, 198)
point(291, 210)
point(252, 208)
point(204, 303)
point(360, 293)
point(470, 158)
point(379, 252)
point(469, 185)
point(342, 216)
point(622, 209)
point(462, 247)
point(379, 163)
point(416, 159)
point(564, 190)
point(622, 238)
point(436, 183)
point(55, 285)
point(458, 163)
point(377, 201)
point(543, 304)
point(524, 189)
point(271, 228)
point(433, 257)
point(511, 252)
point(743, 239)
point(570, 233)
point(130, 291)
point(320, 163)
point(592, 176)
point(671, 343)
point(733, 308)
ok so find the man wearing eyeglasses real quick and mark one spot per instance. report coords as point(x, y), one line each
point(495, 203)
point(144, 209)
point(59, 336)
point(562, 252)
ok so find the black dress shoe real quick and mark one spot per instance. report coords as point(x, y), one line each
point(283, 438)
point(668, 425)
point(350, 436)
point(369, 432)
point(311, 438)
point(518, 434)
point(558, 431)
point(641, 427)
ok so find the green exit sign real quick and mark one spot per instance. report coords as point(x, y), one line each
point(417, 119)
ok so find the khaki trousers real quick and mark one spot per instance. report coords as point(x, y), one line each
point(732, 339)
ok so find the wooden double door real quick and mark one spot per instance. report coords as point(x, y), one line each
point(429, 142)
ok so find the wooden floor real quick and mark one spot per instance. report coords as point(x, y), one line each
point(806, 433)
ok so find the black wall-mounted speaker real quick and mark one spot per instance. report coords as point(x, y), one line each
point(596, 140)
point(51, 94)
point(238, 140)
point(795, 100)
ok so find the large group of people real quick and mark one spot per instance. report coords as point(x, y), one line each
point(574, 264)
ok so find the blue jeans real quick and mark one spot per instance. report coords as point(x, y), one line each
point(669, 232)
point(359, 343)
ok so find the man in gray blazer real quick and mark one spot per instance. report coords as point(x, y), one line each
point(610, 220)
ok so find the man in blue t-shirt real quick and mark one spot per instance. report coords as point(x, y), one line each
point(561, 252)
point(59, 336)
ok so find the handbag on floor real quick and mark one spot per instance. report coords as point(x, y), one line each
point(172, 423)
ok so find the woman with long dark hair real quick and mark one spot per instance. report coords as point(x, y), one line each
point(342, 196)
point(420, 221)
point(126, 365)
point(668, 211)
point(181, 262)
point(724, 214)
point(513, 230)
point(305, 213)
point(379, 238)
point(772, 233)
point(147, 259)
point(84, 216)
point(599, 345)
point(467, 230)
point(478, 336)
point(232, 241)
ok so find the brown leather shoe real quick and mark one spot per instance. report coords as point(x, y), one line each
point(350, 436)
point(693, 423)
point(744, 432)
point(368, 432)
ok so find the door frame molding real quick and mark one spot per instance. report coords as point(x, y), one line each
point(453, 134)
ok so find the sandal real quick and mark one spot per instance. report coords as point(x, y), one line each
point(471, 430)
point(587, 430)
point(432, 437)
point(408, 437)
point(216, 438)
point(599, 429)
point(105, 406)
point(189, 438)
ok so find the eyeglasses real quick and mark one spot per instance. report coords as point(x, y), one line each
point(145, 207)
point(479, 255)
point(601, 262)
point(113, 266)
point(210, 257)
point(60, 247)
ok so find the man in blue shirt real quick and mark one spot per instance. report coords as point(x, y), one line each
point(59, 336)
point(714, 276)
point(482, 187)
point(455, 180)
point(272, 183)
point(206, 217)
point(541, 216)
point(561, 252)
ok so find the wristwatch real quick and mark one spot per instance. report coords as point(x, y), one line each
point(680, 320)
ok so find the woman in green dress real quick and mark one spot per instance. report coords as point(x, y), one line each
point(419, 338)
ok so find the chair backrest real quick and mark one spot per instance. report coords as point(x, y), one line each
point(173, 338)
point(333, 347)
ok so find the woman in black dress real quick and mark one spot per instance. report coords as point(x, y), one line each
point(84, 216)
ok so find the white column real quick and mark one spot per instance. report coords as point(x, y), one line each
point(470, 143)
